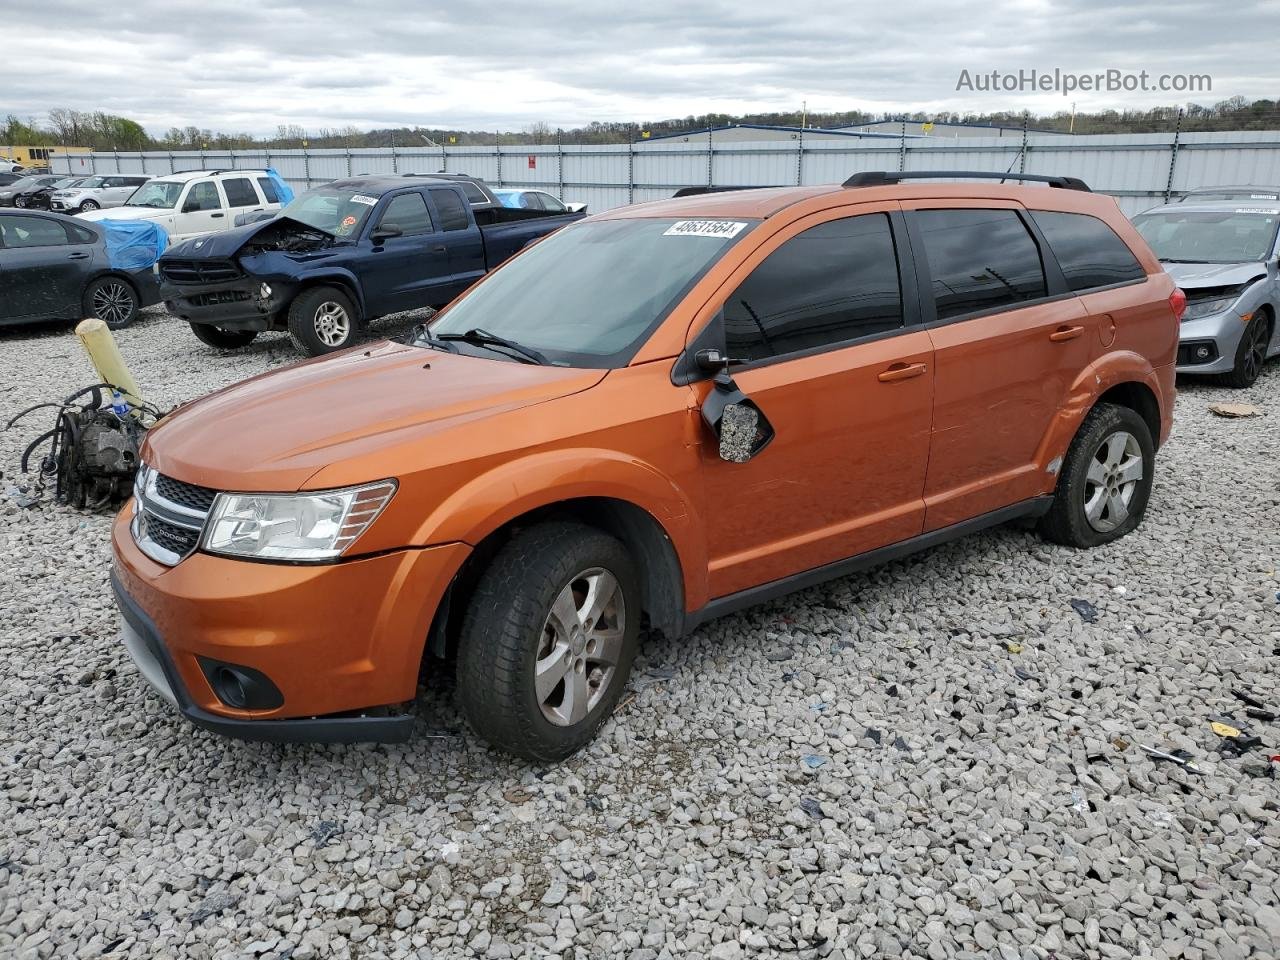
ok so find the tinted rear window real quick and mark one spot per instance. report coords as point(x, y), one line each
point(269, 189)
point(453, 215)
point(1089, 252)
point(979, 260)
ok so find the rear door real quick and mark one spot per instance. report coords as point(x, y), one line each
point(467, 261)
point(409, 269)
point(202, 209)
point(1009, 341)
point(837, 363)
point(45, 266)
point(242, 196)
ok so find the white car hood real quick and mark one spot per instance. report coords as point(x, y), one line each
point(127, 213)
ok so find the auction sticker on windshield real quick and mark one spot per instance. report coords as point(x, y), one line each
point(361, 198)
point(704, 228)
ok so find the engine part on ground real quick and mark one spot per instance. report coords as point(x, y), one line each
point(105, 356)
point(91, 454)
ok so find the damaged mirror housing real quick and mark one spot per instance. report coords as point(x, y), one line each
point(742, 429)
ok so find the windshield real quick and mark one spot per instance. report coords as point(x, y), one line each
point(589, 294)
point(340, 212)
point(161, 194)
point(65, 182)
point(1202, 236)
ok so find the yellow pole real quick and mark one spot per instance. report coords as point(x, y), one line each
point(106, 359)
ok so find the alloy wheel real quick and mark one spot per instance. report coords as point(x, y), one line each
point(580, 646)
point(333, 326)
point(1114, 472)
point(1255, 354)
point(112, 302)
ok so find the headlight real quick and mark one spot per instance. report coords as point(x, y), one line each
point(303, 527)
point(1205, 308)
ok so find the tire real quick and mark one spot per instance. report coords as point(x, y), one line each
point(87, 205)
point(1106, 449)
point(223, 339)
point(1251, 353)
point(511, 626)
point(112, 300)
point(322, 320)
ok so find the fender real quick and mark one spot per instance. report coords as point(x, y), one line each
point(1122, 366)
point(343, 277)
point(510, 490)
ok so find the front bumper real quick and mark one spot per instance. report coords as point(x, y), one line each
point(340, 641)
point(1221, 332)
point(231, 305)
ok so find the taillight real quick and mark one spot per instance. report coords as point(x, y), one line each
point(1178, 301)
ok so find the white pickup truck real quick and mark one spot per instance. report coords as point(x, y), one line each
point(196, 202)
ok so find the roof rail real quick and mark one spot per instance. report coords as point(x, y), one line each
point(881, 178)
point(699, 191)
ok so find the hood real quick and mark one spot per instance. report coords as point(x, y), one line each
point(1190, 276)
point(276, 431)
point(126, 213)
point(224, 243)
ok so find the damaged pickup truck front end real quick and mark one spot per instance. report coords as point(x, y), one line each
point(245, 279)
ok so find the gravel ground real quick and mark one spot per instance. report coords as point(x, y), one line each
point(935, 759)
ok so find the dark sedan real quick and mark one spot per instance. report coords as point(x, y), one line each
point(37, 198)
point(55, 267)
point(9, 192)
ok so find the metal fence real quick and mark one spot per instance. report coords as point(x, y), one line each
point(1140, 170)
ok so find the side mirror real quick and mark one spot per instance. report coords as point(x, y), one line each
point(386, 231)
point(742, 429)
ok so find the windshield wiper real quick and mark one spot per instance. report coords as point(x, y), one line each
point(483, 338)
point(420, 335)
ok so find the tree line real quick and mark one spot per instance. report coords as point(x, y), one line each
point(104, 131)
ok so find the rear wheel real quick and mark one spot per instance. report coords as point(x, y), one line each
point(548, 640)
point(1105, 481)
point(1251, 354)
point(322, 320)
point(86, 205)
point(111, 300)
point(223, 339)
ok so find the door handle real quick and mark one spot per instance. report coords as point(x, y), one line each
point(215, 215)
point(77, 256)
point(1065, 333)
point(901, 371)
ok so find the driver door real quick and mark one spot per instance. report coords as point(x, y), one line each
point(408, 261)
point(824, 318)
point(202, 210)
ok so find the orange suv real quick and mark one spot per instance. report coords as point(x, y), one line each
point(656, 416)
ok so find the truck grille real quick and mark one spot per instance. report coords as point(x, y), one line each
point(198, 271)
point(170, 516)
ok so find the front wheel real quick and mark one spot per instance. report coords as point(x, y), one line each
point(223, 339)
point(548, 640)
point(88, 205)
point(1251, 354)
point(111, 300)
point(1105, 481)
point(322, 320)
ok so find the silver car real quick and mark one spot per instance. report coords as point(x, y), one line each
point(1223, 254)
point(97, 193)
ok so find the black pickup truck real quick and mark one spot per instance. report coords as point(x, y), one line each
point(343, 254)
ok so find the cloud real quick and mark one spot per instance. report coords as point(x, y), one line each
point(240, 66)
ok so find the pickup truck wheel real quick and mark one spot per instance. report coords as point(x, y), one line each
point(1105, 481)
point(322, 320)
point(112, 300)
point(223, 339)
point(548, 640)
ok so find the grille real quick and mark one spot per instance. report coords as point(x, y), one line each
point(169, 536)
point(185, 494)
point(219, 296)
point(198, 271)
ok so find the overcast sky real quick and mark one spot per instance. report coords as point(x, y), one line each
point(250, 65)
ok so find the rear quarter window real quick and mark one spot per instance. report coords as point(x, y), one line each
point(1089, 252)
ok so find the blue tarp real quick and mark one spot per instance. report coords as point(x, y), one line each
point(283, 189)
point(133, 244)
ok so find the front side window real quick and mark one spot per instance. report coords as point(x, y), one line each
point(240, 192)
point(408, 212)
point(31, 232)
point(1210, 236)
point(979, 260)
point(832, 283)
point(203, 196)
point(589, 295)
point(453, 215)
point(1088, 251)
